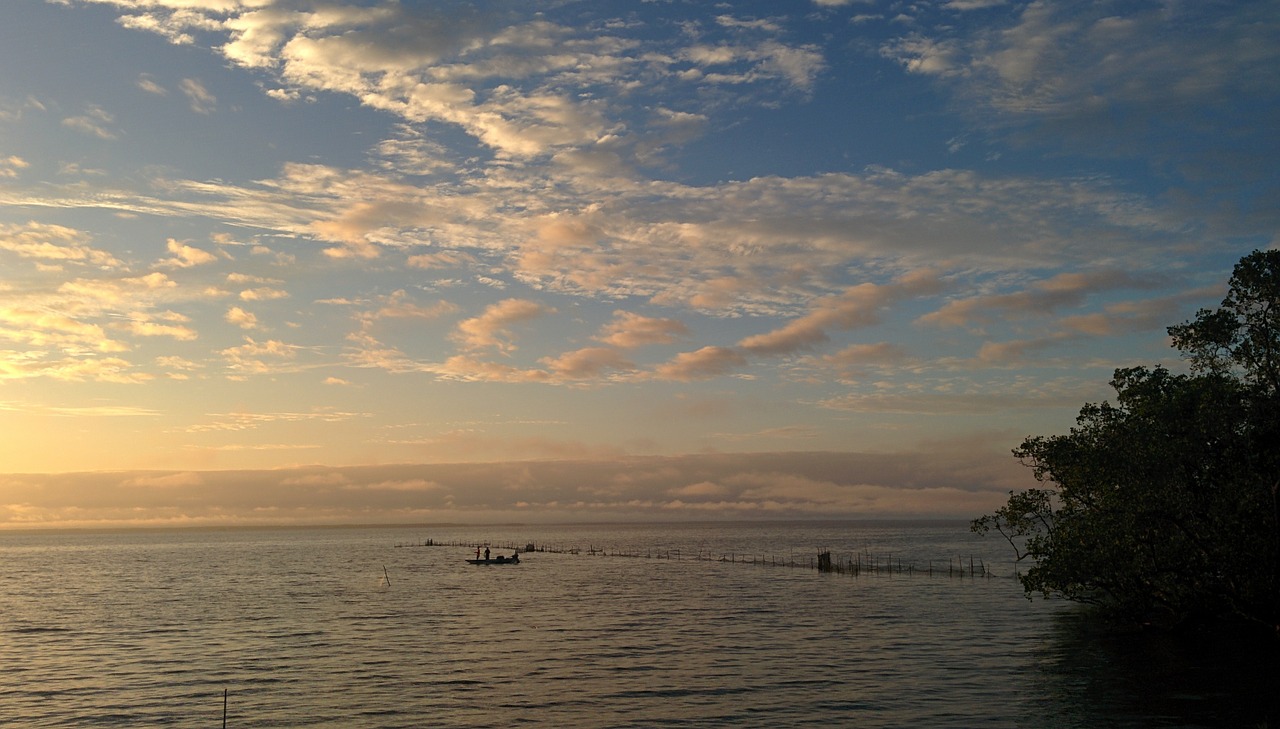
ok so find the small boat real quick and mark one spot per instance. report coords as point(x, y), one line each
point(513, 559)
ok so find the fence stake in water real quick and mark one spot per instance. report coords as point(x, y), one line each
point(384, 574)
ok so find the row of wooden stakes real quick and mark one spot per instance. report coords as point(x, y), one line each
point(846, 564)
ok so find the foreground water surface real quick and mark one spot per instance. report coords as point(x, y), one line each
point(366, 627)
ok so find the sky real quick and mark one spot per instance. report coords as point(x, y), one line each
point(304, 261)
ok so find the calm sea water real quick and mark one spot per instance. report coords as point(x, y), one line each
point(359, 627)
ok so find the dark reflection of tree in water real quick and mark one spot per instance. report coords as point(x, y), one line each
point(1095, 677)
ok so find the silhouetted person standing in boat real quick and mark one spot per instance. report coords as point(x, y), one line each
point(486, 554)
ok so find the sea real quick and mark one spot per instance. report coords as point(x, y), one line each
point(604, 625)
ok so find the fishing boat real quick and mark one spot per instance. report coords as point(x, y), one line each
point(513, 559)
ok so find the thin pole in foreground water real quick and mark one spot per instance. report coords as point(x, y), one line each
point(384, 574)
point(224, 709)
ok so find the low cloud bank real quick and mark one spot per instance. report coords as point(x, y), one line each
point(692, 487)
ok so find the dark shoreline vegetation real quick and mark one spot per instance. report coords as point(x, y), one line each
point(1161, 510)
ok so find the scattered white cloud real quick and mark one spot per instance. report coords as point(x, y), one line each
point(144, 324)
point(185, 256)
point(200, 100)
point(147, 83)
point(53, 244)
point(1042, 298)
point(260, 358)
point(10, 166)
point(630, 330)
point(859, 306)
point(492, 328)
point(588, 363)
point(263, 293)
point(702, 364)
point(94, 122)
point(241, 318)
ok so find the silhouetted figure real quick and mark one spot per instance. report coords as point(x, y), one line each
point(486, 554)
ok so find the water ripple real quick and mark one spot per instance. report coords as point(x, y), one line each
point(301, 630)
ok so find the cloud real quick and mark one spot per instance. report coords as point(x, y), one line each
point(263, 293)
point(513, 85)
point(244, 278)
point(943, 397)
point(199, 98)
point(241, 318)
point(104, 411)
point(492, 328)
point(75, 319)
point(185, 256)
point(878, 353)
point(1123, 317)
point(741, 63)
point(359, 225)
point(249, 420)
point(1057, 56)
point(174, 362)
point(323, 478)
point(443, 259)
point(767, 485)
point(77, 328)
point(1120, 80)
point(255, 358)
point(11, 165)
point(118, 292)
point(856, 359)
point(630, 330)
point(412, 485)
point(69, 368)
point(397, 305)
point(702, 364)
point(271, 347)
point(1041, 298)
point(186, 479)
point(702, 489)
point(43, 327)
point(963, 5)
point(470, 369)
point(587, 363)
point(767, 246)
point(94, 122)
point(1014, 352)
point(147, 83)
point(143, 324)
point(858, 306)
point(367, 351)
point(928, 56)
point(53, 243)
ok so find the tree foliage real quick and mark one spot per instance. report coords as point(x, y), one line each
point(1163, 506)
